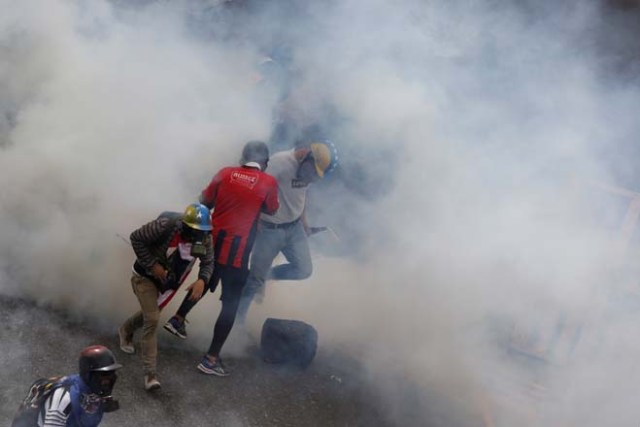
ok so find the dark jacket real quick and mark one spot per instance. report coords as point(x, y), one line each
point(151, 243)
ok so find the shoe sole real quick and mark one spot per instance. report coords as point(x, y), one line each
point(153, 387)
point(208, 371)
point(128, 350)
point(169, 328)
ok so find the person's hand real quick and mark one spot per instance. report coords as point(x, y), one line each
point(159, 272)
point(305, 223)
point(196, 288)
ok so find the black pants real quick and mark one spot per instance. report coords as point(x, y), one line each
point(232, 280)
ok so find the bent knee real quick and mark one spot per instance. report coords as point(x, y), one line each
point(305, 271)
point(151, 320)
point(253, 284)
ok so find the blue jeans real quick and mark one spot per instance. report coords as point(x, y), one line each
point(292, 242)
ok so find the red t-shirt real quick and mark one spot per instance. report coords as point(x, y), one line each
point(238, 195)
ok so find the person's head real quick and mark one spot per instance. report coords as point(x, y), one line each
point(316, 159)
point(255, 152)
point(98, 369)
point(196, 223)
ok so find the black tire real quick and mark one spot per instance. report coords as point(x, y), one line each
point(289, 342)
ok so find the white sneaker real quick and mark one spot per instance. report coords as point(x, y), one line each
point(151, 382)
point(126, 345)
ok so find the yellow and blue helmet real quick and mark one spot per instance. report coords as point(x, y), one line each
point(325, 156)
point(197, 216)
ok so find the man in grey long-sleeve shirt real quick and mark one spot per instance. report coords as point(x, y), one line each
point(166, 250)
point(286, 231)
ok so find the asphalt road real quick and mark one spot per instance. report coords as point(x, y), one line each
point(38, 342)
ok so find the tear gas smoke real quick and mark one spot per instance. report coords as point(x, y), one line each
point(467, 133)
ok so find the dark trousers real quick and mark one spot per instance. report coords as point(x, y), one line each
point(232, 280)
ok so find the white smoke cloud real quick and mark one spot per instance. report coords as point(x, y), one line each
point(119, 114)
point(484, 121)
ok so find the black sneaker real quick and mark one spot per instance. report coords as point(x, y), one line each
point(176, 327)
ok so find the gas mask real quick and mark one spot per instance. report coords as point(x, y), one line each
point(109, 404)
point(197, 239)
point(102, 382)
point(101, 385)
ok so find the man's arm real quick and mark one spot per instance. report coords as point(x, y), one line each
point(305, 223)
point(208, 195)
point(271, 203)
point(206, 262)
point(149, 234)
point(56, 409)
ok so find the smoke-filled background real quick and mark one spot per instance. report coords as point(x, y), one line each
point(480, 254)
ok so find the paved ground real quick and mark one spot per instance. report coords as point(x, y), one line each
point(39, 342)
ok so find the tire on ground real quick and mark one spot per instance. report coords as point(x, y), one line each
point(289, 342)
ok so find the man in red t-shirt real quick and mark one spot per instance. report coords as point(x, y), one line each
point(237, 195)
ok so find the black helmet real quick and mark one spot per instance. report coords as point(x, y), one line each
point(97, 369)
point(255, 151)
